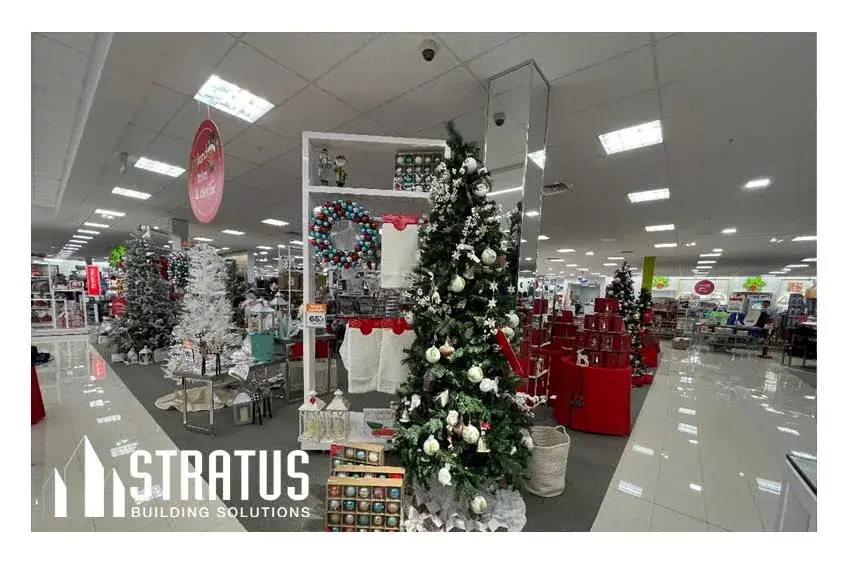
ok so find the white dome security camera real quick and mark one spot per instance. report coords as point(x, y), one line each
point(428, 49)
point(499, 118)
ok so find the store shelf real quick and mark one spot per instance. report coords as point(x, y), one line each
point(388, 193)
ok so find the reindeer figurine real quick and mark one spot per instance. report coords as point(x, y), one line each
point(583, 359)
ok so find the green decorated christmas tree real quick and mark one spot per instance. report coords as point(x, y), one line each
point(462, 426)
point(621, 288)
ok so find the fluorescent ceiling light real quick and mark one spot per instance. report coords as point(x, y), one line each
point(717, 250)
point(159, 167)
point(532, 213)
point(703, 267)
point(808, 260)
point(297, 242)
point(529, 259)
point(507, 191)
point(263, 252)
point(75, 241)
point(615, 258)
point(99, 225)
point(778, 272)
point(564, 250)
point(538, 157)
point(655, 228)
point(134, 194)
point(804, 238)
point(649, 195)
point(110, 212)
point(264, 247)
point(630, 138)
point(757, 183)
point(225, 248)
point(275, 222)
point(609, 264)
point(203, 239)
point(542, 237)
point(666, 245)
point(572, 265)
point(556, 260)
point(282, 246)
point(589, 253)
point(232, 232)
point(706, 261)
point(232, 99)
point(82, 237)
point(709, 255)
point(88, 231)
point(729, 230)
point(690, 243)
point(797, 265)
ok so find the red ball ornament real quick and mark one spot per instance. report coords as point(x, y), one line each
point(357, 248)
point(366, 218)
point(354, 255)
point(346, 265)
point(336, 258)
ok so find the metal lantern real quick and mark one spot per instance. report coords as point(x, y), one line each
point(145, 356)
point(336, 418)
point(242, 407)
point(310, 417)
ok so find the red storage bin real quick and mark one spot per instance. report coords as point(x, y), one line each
point(564, 329)
point(594, 399)
point(541, 306)
point(616, 359)
point(615, 323)
point(649, 358)
point(606, 305)
point(589, 322)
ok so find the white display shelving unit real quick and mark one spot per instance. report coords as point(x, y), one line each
point(363, 152)
point(65, 305)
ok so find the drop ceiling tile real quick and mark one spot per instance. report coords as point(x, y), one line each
point(82, 42)
point(194, 61)
point(135, 140)
point(309, 54)
point(258, 145)
point(364, 125)
point(469, 45)
point(234, 167)
point(310, 110)
point(184, 124)
point(470, 125)
point(452, 94)
point(57, 82)
point(158, 106)
point(170, 150)
point(57, 56)
point(395, 58)
point(254, 71)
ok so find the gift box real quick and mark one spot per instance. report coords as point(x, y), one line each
point(606, 305)
point(541, 306)
point(624, 342)
point(581, 340)
point(589, 322)
point(607, 342)
point(615, 323)
point(596, 358)
point(593, 340)
point(566, 316)
point(615, 359)
point(564, 329)
point(603, 322)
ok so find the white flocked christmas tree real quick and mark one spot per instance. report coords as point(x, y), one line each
point(206, 311)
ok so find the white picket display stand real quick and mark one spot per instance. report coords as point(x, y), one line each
point(370, 161)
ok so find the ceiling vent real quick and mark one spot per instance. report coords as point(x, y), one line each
point(627, 252)
point(557, 188)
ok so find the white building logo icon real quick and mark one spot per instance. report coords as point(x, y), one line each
point(94, 488)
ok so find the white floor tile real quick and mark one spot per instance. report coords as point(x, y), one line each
point(667, 520)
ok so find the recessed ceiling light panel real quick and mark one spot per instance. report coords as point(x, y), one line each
point(565, 250)
point(804, 238)
point(729, 231)
point(232, 232)
point(656, 228)
point(275, 222)
point(649, 195)
point(88, 231)
point(232, 99)
point(159, 167)
point(134, 194)
point(630, 138)
point(758, 183)
point(666, 245)
point(98, 225)
point(110, 213)
point(203, 239)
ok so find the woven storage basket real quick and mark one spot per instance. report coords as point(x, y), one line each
point(547, 465)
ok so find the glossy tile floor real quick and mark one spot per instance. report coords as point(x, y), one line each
point(707, 451)
point(84, 397)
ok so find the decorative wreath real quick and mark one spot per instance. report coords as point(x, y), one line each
point(365, 243)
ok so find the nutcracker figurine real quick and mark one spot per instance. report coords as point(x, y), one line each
point(340, 170)
point(323, 167)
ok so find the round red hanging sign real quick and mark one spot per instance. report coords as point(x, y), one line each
point(205, 172)
point(704, 287)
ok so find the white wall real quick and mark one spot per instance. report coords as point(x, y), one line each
point(778, 286)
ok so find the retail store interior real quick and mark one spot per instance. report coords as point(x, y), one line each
point(509, 281)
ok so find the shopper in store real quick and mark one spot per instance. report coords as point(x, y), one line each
point(765, 321)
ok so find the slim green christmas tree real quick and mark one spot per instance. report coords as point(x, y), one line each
point(462, 425)
point(622, 289)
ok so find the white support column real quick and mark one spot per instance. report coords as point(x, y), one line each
point(308, 358)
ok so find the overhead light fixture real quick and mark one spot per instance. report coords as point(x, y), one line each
point(808, 260)
point(538, 158)
point(666, 245)
point(572, 265)
point(225, 248)
point(109, 212)
point(655, 228)
point(159, 167)
point(689, 243)
point(556, 260)
point(264, 247)
point(529, 259)
point(797, 265)
point(804, 238)
point(232, 232)
point(522, 241)
point(729, 230)
point(232, 99)
point(134, 194)
point(203, 239)
point(615, 258)
point(717, 250)
point(263, 253)
point(589, 253)
point(609, 264)
point(532, 213)
point(710, 255)
point(649, 195)
point(275, 222)
point(704, 267)
point(778, 272)
point(98, 225)
point(630, 138)
point(75, 241)
point(706, 261)
point(757, 183)
point(296, 242)
point(282, 246)
point(88, 231)
point(82, 237)
point(565, 250)
point(542, 237)
point(506, 191)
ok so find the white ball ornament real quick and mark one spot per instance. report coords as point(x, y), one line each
point(458, 284)
point(431, 446)
point(487, 385)
point(444, 477)
point(452, 418)
point(432, 355)
point(474, 374)
point(470, 165)
point(470, 434)
point(528, 442)
point(513, 319)
point(488, 256)
point(409, 317)
point(478, 504)
point(508, 332)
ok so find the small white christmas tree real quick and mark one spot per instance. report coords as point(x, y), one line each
point(206, 313)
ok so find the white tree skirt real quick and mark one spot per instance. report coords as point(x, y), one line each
point(435, 510)
point(197, 399)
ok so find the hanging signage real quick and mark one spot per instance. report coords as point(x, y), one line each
point(118, 307)
point(92, 275)
point(315, 315)
point(704, 287)
point(205, 172)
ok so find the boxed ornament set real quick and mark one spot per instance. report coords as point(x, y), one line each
point(363, 504)
point(357, 453)
point(414, 171)
point(369, 471)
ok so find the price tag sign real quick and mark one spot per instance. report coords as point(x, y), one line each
point(315, 315)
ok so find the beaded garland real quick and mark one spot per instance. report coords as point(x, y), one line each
point(366, 242)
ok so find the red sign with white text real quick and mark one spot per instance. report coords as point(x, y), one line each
point(705, 287)
point(118, 307)
point(92, 274)
point(205, 172)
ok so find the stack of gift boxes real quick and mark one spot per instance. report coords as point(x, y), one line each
point(565, 332)
point(604, 339)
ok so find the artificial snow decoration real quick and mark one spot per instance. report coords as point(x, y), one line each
point(431, 446)
point(458, 284)
point(487, 385)
point(444, 477)
point(478, 504)
point(513, 320)
point(488, 256)
point(432, 355)
point(452, 418)
point(508, 332)
point(132, 356)
point(470, 434)
point(474, 374)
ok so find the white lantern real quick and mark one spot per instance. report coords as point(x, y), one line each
point(336, 418)
point(242, 407)
point(132, 356)
point(145, 357)
point(260, 317)
point(310, 418)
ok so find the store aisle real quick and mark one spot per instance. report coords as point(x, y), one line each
point(84, 397)
point(707, 451)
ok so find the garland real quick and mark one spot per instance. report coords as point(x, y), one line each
point(320, 234)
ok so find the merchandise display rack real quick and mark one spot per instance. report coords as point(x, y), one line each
point(665, 311)
point(313, 194)
point(65, 306)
